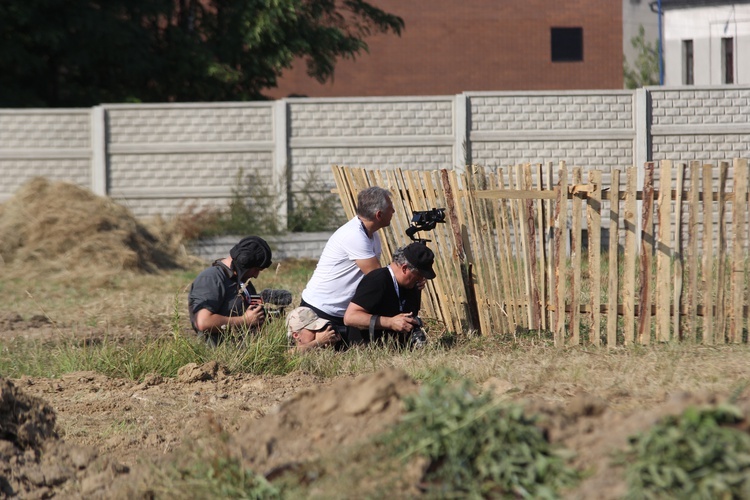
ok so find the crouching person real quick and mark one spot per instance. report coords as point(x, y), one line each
point(222, 297)
point(305, 330)
point(387, 301)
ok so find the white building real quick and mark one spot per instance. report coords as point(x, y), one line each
point(706, 42)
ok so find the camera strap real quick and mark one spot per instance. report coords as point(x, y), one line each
point(395, 286)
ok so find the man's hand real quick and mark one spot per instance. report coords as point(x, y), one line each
point(254, 315)
point(327, 336)
point(403, 323)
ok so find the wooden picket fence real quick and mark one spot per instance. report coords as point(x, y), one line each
point(594, 261)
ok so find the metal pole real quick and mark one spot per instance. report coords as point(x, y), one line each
point(661, 46)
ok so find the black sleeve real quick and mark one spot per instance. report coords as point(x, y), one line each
point(370, 291)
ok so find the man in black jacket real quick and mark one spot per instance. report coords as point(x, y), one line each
point(387, 300)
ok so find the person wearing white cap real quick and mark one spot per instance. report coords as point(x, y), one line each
point(305, 330)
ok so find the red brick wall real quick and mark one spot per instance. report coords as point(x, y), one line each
point(452, 46)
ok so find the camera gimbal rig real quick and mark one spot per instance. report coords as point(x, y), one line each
point(425, 221)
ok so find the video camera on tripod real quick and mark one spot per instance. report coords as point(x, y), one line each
point(425, 221)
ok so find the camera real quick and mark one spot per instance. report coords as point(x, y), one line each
point(341, 330)
point(425, 217)
point(417, 336)
point(425, 221)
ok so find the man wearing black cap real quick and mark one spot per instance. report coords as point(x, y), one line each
point(387, 300)
point(220, 296)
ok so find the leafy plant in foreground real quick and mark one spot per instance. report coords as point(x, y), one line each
point(694, 455)
point(477, 446)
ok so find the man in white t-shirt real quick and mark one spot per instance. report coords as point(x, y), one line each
point(350, 253)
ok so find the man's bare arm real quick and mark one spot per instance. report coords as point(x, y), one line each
point(367, 265)
point(205, 320)
point(357, 317)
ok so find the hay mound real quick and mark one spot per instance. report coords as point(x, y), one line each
point(49, 227)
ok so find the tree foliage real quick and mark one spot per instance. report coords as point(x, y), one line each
point(645, 70)
point(85, 52)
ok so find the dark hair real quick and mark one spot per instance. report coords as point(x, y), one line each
point(372, 200)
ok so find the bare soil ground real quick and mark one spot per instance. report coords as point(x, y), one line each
point(84, 435)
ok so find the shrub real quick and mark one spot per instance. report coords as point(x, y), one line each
point(477, 446)
point(315, 208)
point(254, 209)
point(694, 455)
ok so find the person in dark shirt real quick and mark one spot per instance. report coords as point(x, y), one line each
point(387, 300)
point(222, 296)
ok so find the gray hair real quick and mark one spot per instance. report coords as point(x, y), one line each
point(371, 201)
point(400, 259)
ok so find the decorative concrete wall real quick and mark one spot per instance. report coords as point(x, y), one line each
point(700, 123)
point(586, 129)
point(290, 246)
point(165, 159)
point(50, 143)
point(414, 133)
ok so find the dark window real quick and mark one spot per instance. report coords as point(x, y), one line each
point(687, 62)
point(567, 44)
point(727, 59)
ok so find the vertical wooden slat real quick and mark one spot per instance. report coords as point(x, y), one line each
point(437, 288)
point(612, 263)
point(629, 269)
point(647, 248)
point(478, 225)
point(346, 193)
point(739, 219)
point(543, 256)
point(708, 257)
point(575, 257)
point(453, 296)
point(534, 306)
point(664, 253)
point(561, 258)
point(720, 331)
point(692, 257)
point(517, 281)
point(678, 257)
point(505, 258)
point(456, 200)
point(550, 210)
point(594, 222)
point(523, 245)
point(500, 305)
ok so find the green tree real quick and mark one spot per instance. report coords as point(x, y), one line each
point(646, 67)
point(85, 52)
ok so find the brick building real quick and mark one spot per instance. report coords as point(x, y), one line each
point(449, 47)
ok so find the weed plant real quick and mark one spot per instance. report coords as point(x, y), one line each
point(478, 447)
point(694, 455)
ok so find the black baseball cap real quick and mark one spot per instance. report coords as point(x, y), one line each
point(421, 258)
point(251, 251)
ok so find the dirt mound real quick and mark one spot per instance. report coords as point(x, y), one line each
point(318, 421)
point(49, 227)
point(34, 462)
